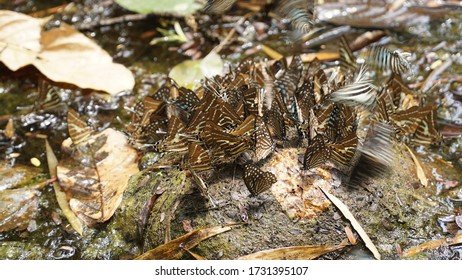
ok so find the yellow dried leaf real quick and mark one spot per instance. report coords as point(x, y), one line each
point(294, 253)
point(419, 169)
point(175, 248)
point(346, 212)
point(196, 256)
point(271, 53)
point(60, 195)
point(433, 244)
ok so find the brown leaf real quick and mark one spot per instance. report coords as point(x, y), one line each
point(294, 253)
point(175, 248)
point(94, 174)
point(196, 256)
point(346, 212)
point(69, 56)
point(14, 177)
point(60, 195)
point(17, 208)
point(433, 244)
point(19, 39)
point(62, 54)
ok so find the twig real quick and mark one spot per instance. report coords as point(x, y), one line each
point(112, 21)
point(427, 84)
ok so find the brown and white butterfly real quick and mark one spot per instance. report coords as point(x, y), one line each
point(256, 180)
point(78, 130)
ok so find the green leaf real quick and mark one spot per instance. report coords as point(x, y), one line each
point(190, 72)
point(172, 7)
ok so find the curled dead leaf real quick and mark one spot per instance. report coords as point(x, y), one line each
point(419, 169)
point(60, 195)
point(175, 248)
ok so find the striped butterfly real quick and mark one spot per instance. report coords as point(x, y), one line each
point(256, 180)
point(78, 130)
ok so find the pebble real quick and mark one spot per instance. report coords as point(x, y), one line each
point(35, 162)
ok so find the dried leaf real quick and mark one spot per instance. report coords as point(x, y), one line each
point(271, 52)
point(350, 235)
point(175, 248)
point(60, 195)
point(196, 256)
point(294, 253)
point(9, 129)
point(94, 174)
point(69, 56)
point(419, 169)
point(433, 244)
point(17, 208)
point(13, 177)
point(62, 54)
point(19, 39)
point(346, 212)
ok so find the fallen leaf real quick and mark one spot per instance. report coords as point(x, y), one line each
point(17, 208)
point(69, 56)
point(196, 256)
point(190, 72)
point(172, 7)
point(294, 253)
point(175, 248)
point(346, 212)
point(350, 235)
point(60, 195)
point(94, 174)
point(419, 169)
point(271, 53)
point(13, 177)
point(62, 54)
point(433, 244)
point(19, 39)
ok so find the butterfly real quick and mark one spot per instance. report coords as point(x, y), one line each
point(264, 145)
point(175, 141)
point(48, 99)
point(407, 121)
point(361, 92)
point(341, 123)
point(299, 12)
point(212, 108)
point(386, 59)
point(78, 130)
point(275, 123)
point(347, 59)
point(426, 132)
point(256, 180)
point(318, 151)
point(223, 144)
point(198, 158)
point(343, 151)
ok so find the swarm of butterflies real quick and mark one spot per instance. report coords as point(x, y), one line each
point(242, 116)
